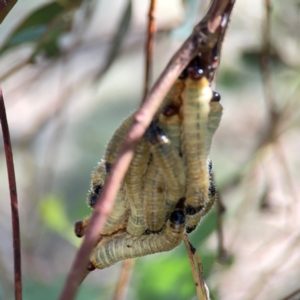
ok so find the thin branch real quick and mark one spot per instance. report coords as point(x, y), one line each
point(5, 7)
point(265, 62)
point(197, 275)
point(200, 268)
point(203, 38)
point(13, 201)
point(128, 264)
point(124, 279)
point(152, 28)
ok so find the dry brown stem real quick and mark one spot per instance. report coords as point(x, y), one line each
point(13, 201)
point(128, 264)
point(152, 28)
point(197, 274)
point(124, 279)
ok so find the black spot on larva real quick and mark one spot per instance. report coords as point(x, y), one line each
point(180, 203)
point(190, 229)
point(147, 231)
point(93, 200)
point(94, 195)
point(184, 74)
point(190, 210)
point(216, 97)
point(212, 189)
point(107, 167)
point(177, 217)
point(97, 189)
point(210, 167)
point(154, 133)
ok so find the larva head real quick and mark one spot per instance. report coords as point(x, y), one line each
point(98, 179)
point(200, 66)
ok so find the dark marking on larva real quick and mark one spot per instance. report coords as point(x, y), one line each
point(184, 74)
point(170, 110)
point(180, 203)
point(94, 196)
point(160, 190)
point(210, 167)
point(177, 217)
point(190, 210)
point(107, 167)
point(155, 134)
point(190, 229)
point(212, 189)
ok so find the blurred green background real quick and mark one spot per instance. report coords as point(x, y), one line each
point(71, 71)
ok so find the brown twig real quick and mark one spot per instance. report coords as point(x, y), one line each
point(13, 200)
point(152, 28)
point(151, 31)
point(200, 268)
point(197, 274)
point(5, 7)
point(265, 63)
point(124, 278)
point(203, 39)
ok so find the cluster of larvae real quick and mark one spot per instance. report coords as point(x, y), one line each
point(168, 187)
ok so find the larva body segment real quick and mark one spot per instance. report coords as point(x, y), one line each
point(134, 180)
point(170, 164)
point(171, 127)
point(214, 119)
point(118, 218)
point(115, 142)
point(173, 97)
point(196, 109)
point(122, 245)
point(168, 186)
point(154, 198)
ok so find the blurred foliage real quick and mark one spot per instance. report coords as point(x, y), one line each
point(35, 289)
point(43, 28)
point(54, 216)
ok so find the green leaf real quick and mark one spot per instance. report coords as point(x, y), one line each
point(206, 227)
point(54, 216)
point(33, 27)
point(164, 278)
